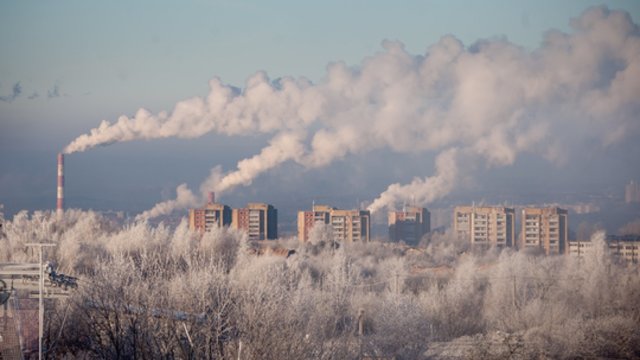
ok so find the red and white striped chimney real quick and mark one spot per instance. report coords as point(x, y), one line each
point(60, 205)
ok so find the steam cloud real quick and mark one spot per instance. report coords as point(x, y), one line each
point(427, 190)
point(184, 199)
point(491, 101)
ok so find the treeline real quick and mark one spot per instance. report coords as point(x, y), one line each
point(154, 292)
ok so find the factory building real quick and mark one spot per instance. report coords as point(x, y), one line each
point(409, 225)
point(485, 226)
point(346, 225)
point(259, 220)
point(544, 228)
point(209, 216)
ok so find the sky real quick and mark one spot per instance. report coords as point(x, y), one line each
point(66, 66)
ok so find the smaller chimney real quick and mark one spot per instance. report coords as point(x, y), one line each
point(212, 197)
point(60, 195)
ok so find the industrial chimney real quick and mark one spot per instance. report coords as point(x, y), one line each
point(212, 197)
point(60, 205)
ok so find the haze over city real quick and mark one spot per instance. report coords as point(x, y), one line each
point(531, 103)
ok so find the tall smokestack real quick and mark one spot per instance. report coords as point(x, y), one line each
point(212, 197)
point(60, 205)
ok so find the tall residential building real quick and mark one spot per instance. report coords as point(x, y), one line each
point(485, 226)
point(306, 220)
point(544, 228)
point(632, 192)
point(346, 225)
point(212, 214)
point(259, 220)
point(350, 225)
point(409, 225)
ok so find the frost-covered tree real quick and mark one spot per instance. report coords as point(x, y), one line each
point(159, 292)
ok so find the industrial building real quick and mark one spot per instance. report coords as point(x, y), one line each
point(485, 226)
point(259, 220)
point(346, 225)
point(409, 225)
point(544, 228)
point(209, 216)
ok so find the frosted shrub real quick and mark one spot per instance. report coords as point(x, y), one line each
point(157, 292)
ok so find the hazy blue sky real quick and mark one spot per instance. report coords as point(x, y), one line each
point(67, 65)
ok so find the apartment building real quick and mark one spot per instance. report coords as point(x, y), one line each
point(306, 220)
point(485, 226)
point(259, 220)
point(350, 225)
point(346, 225)
point(209, 216)
point(579, 248)
point(545, 229)
point(409, 225)
point(625, 247)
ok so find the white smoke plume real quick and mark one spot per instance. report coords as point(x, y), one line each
point(184, 199)
point(423, 190)
point(493, 100)
point(284, 147)
point(263, 107)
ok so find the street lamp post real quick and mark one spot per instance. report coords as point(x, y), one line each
point(41, 295)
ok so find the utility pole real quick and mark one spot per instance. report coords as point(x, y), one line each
point(513, 294)
point(361, 330)
point(41, 295)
